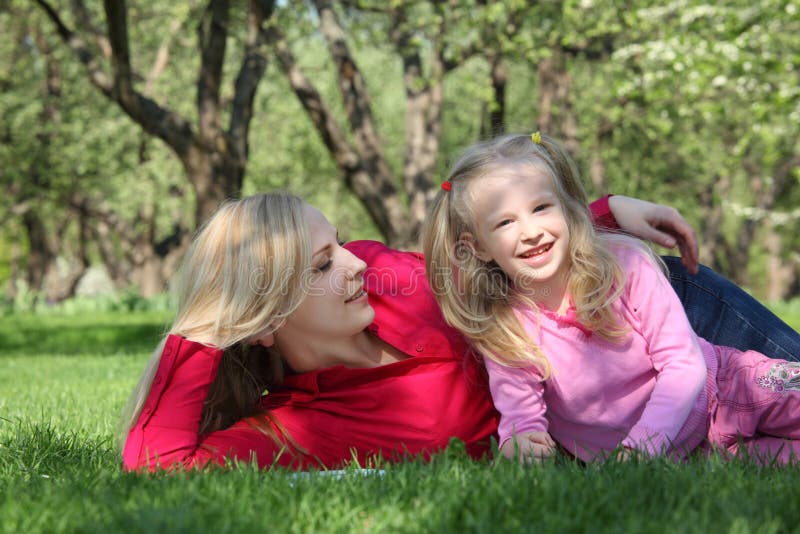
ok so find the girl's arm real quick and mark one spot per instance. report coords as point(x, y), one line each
point(673, 349)
point(518, 396)
point(166, 433)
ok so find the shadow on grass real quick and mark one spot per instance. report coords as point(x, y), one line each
point(105, 334)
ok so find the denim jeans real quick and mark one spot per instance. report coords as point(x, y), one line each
point(724, 314)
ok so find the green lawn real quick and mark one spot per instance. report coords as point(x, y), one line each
point(63, 381)
point(788, 311)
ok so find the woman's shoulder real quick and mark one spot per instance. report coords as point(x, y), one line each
point(390, 271)
point(378, 254)
point(406, 311)
point(177, 350)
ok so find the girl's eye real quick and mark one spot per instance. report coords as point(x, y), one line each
point(325, 266)
point(504, 222)
point(541, 207)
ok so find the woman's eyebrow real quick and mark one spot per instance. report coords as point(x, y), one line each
point(325, 247)
point(321, 250)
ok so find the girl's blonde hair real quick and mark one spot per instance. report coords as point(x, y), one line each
point(246, 270)
point(477, 297)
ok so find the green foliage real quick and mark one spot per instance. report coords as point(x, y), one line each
point(687, 103)
point(127, 300)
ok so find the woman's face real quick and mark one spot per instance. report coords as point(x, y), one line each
point(335, 307)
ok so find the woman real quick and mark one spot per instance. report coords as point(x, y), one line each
point(289, 349)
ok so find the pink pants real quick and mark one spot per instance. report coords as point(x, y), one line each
point(757, 406)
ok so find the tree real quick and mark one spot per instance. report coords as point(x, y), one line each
point(213, 156)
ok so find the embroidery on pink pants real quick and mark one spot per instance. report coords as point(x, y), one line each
point(784, 376)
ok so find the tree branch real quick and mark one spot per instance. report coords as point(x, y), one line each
point(212, 34)
point(162, 57)
point(377, 191)
point(332, 135)
point(251, 71)
point(164, 124)
point(423, 114)
point(96, 74)
point(85, 21)
point(353, 88)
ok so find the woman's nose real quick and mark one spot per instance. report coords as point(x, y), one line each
point(356, 266)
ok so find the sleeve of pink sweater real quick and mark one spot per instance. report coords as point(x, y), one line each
point(518, 396)
point(673, 349)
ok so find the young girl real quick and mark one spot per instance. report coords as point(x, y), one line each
point(582, 335)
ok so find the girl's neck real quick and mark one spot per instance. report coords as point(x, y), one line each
point(552, 296)
point(558, 305)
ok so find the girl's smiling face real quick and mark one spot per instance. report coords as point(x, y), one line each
point(521, 226)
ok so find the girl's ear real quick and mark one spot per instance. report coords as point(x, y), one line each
point(470, 243)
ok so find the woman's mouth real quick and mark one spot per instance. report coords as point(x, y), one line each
point(357, 296)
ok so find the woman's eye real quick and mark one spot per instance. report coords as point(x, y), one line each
point(325, 266)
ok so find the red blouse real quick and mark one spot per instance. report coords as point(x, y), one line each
point(334, 415)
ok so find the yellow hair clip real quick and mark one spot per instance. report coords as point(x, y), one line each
point(536, 137)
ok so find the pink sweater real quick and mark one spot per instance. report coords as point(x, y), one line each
point(649, 393)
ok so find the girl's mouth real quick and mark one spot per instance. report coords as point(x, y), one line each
point(538, 251)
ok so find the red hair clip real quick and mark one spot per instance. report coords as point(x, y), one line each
point(447, 185)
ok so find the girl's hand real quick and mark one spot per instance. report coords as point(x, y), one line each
point(662, 225)
point(529, 447)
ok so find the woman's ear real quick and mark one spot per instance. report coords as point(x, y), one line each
point(471, 244)
point(266, 340)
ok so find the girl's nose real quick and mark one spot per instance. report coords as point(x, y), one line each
point(530, 231)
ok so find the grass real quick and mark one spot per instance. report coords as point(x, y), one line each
point(788, 311)
point(64, 380)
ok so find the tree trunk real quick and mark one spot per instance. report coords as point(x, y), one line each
point(780, 273)
point(41, 253)
point(362, 163)
point(214, 158)
point(14, 272)
point(597, 173)
point(556, 115)
point(494, 113)
point(711, 238)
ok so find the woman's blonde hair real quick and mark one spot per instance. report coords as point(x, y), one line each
point(245, 271)
point(477, 297)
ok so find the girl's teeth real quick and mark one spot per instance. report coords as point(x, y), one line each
point(537, 252)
